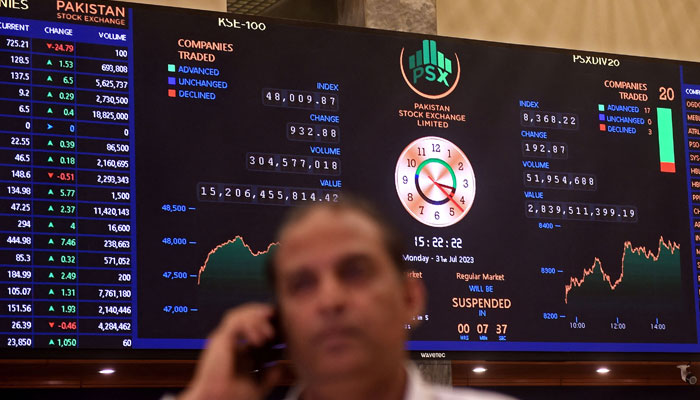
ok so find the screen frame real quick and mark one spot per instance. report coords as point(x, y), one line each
point(495, 355)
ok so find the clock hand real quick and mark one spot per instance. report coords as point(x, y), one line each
point(449, 195)
point(445, 186)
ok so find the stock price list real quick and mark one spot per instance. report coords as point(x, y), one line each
point(66, 214)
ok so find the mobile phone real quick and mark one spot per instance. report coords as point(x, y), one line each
point(255, 360)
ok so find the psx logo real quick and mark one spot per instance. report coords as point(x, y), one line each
point(433, 74)
point(426, 62)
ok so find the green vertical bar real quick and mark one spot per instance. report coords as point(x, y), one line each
point(433, 52)
point(448, 65)
point(419, 58)
point(665, 122)
point(412, 62)
point(441, 60)
point(426, 52)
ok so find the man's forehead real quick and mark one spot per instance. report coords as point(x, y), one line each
point(324, 227)
point(328, 221)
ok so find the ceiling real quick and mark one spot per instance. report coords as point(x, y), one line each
point(252, 7)
point(306, 10)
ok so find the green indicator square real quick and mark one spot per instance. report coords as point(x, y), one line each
point(665, 122)
point(601, 107)
point(171, 67)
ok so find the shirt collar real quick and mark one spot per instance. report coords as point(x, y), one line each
point(416, 387)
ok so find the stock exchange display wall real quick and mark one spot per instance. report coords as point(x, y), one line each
point(147, 154)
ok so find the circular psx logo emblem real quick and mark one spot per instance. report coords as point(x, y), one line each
point(429, 72)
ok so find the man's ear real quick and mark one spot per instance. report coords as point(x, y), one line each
point(414, 298)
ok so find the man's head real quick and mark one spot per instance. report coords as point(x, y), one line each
point(391, 239)
point(344, 299)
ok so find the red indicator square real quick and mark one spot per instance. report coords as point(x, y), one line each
point(602, 127)
point(172, 93)
point(668, 167)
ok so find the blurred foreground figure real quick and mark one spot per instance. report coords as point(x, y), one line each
point(342, 302)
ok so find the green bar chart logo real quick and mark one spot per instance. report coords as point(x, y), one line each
point(429, 72)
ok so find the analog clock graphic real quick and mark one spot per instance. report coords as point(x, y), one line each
point(435, 181)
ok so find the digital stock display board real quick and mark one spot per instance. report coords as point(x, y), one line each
point(550, 198)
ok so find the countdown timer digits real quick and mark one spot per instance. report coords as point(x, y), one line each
point(435, 181)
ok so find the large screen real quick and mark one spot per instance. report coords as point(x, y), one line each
point(550, 198)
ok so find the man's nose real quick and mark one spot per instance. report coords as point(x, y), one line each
point(332, 295)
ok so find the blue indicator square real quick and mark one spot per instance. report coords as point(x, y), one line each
point(171, 80)
point(601, 117)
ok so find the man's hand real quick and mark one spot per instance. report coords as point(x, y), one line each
point(216, 377)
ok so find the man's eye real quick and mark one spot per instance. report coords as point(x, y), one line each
point(352, 272)
point(355, 269)
point(301, 283)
